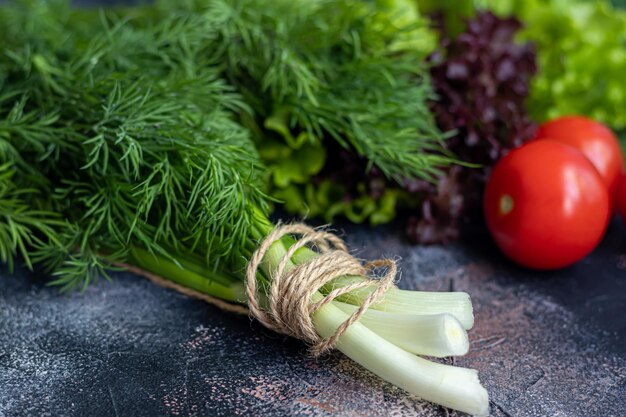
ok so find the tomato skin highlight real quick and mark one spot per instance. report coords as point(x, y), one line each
point(596, 141)
point(546, 205)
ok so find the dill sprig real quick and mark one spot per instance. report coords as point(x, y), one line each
point(22, 226)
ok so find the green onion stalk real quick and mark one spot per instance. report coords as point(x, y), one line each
point(123, 141)
point(387, 338)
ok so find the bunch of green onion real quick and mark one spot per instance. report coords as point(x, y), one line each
point(387, 338)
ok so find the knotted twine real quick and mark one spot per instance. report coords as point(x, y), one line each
point(292, 286)
point(289, 308)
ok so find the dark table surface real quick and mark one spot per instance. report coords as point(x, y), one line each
point(545, 344)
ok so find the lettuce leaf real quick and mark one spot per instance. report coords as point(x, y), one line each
point(582, 57)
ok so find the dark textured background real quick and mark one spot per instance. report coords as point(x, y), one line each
point(545, 344)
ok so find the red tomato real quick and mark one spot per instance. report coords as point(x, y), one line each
point(596, 141)
point(546, 205)
point(621, 197)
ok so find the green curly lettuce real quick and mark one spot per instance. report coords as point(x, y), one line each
point(328, 200)
point(582, 57)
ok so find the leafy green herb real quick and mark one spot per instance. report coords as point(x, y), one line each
point(103, 114)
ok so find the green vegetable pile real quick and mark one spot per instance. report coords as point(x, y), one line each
point(127, 138)
point(162, 136)
point(481, 78)
point(581, 59)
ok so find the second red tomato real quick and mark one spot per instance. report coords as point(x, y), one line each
point(546, 205)
point(596, 141)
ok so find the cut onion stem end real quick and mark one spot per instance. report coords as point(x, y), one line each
point(437, 335)
point(454, 387)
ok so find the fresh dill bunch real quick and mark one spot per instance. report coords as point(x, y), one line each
point(123, 124)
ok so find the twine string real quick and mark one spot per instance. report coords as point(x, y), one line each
point(289, 307)
point(166, 283)
point(292, 286)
